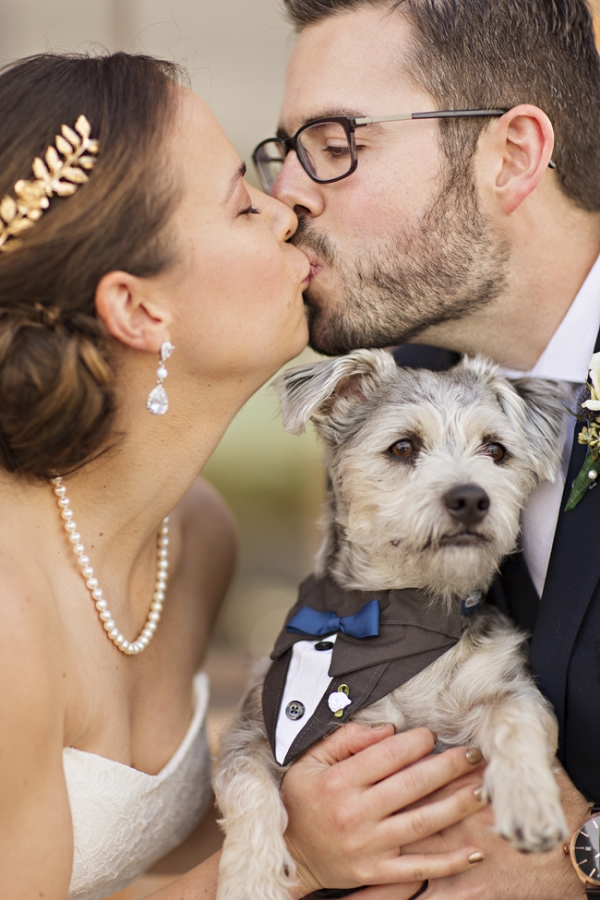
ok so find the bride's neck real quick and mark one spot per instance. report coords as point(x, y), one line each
point(120, 498)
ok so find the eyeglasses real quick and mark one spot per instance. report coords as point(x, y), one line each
point(326, 147)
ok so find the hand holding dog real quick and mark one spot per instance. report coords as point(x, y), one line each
point(505, 873)
point(359, 781)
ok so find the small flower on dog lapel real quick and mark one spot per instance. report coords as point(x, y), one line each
point(588, 412)
point(339, 700)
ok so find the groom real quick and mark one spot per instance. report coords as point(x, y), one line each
point(477, 232)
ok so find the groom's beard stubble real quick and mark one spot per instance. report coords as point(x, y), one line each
point(444, 267)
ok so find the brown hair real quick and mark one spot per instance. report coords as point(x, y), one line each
point(500, 53)
point(56, 385)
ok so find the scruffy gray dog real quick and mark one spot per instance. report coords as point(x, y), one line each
point(429, 473)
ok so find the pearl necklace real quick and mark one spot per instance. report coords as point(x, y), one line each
point(160, 585)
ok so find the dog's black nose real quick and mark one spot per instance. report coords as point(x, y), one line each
point(468, 503)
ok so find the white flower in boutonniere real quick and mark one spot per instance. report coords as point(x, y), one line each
point(594, 370)
point(588, 412)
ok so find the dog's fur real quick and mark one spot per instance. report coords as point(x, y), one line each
point(388, 527)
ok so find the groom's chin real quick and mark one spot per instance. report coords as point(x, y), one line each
point(332, 337)
point(327, 334)
point(325, 338)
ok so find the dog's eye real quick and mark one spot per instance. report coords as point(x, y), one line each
point(403, 449)
point(496, 451)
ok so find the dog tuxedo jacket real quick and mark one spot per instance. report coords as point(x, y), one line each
point(365, 644)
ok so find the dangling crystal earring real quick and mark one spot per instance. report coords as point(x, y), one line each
point(158, 402)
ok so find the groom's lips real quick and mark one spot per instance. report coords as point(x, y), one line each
point(315, 265)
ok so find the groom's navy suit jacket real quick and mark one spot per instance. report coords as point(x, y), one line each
point(565, 622)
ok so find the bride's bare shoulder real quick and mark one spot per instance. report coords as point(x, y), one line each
point(31, 625)
point(35, 831)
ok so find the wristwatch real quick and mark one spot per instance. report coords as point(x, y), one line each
point(584, 850)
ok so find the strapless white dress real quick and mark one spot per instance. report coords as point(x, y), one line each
point(125, 820)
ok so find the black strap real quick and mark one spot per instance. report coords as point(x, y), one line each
point(331, 893)
point(421, 356)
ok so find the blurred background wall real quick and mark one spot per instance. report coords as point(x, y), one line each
point(235, 50)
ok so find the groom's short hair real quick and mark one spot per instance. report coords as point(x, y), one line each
point(500, 53)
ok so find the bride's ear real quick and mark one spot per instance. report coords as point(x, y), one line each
point(131, 314)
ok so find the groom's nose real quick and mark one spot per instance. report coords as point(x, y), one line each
point(294, 188)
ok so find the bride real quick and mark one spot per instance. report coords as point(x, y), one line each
point(146, 291)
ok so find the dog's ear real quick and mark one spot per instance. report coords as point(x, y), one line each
point(327, 392)
point(544, 425)
point(535, 407)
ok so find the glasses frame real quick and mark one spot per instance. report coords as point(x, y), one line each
point(351, 123)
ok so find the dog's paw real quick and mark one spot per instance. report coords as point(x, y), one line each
point(528, 812)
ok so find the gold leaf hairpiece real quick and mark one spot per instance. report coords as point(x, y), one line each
point(54, 176)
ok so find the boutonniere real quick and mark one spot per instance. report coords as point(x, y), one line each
point(588, 411)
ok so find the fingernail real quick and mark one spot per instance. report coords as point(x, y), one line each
point(475, 858)
point(479, 794)
point(474, 755)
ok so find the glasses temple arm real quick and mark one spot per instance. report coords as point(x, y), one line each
point(433, 114)
point(360, 121)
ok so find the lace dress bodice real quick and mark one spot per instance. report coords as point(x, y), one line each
point(125, 820)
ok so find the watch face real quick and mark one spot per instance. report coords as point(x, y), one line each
point(586, 850)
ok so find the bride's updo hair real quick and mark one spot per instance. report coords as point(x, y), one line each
point(56, 385)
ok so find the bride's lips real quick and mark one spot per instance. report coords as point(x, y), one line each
point(305, 271)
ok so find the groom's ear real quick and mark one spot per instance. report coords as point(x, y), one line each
point(514, 155)
point(333, 393)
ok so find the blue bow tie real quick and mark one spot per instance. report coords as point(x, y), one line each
point(364, 624)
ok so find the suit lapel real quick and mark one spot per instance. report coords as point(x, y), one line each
point(514, 593)
point(573, 575)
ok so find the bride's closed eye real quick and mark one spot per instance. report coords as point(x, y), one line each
point(250, 210)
